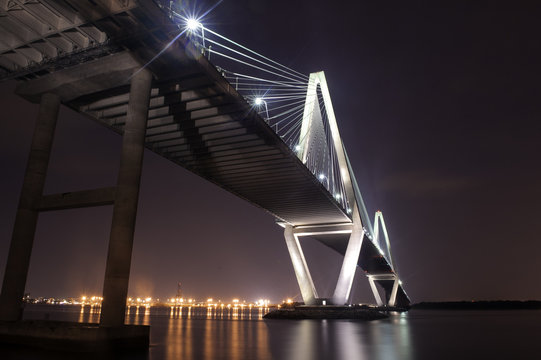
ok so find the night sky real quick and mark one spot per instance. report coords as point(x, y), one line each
point(440, 111)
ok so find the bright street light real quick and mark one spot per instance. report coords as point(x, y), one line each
point(192, 24)
point(259, 101)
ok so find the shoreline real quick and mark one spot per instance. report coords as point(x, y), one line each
point(479, 305)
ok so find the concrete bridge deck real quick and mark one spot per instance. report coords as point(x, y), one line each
point(94, 56)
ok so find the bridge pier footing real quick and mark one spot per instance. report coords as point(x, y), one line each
point(18, 261)
point(117, 271)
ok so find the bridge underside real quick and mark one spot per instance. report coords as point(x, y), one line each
point(196, 118)
point(198, 121)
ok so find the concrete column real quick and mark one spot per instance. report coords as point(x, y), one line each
point(27, 214)
point(375, 291)
point(306, 284)
point(117, 271)
point(351, 258)
point(392, 299)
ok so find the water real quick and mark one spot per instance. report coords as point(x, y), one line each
point(230, 334)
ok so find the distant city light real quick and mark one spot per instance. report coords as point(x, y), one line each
point(147, 302)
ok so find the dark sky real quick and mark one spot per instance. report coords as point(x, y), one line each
point(439, 108)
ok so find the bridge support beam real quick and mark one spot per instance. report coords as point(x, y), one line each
point(306, 284)
point(357, 234)
point(117, 271)
point(27, 213)
point(391, 297)
point(375, 291)
point(394, 291)
point(349, 265)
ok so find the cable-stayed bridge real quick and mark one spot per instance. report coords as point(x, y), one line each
point(251, 125)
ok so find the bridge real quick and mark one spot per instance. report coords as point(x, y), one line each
point(254, 127)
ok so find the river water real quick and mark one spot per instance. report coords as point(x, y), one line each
point(198, 333)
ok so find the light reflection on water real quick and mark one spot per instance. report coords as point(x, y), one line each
point(227, 333)
point(198, 338)
point(338, 339)
point(241, 333)
point(141, 315)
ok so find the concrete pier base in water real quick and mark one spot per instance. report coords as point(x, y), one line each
point(326, 312)
point(69, 336)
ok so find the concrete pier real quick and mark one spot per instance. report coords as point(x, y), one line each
point(327, 312)
point(117, 271)
point(306, 284)
point(111, 333)
point(27, 213)
point(351, 258)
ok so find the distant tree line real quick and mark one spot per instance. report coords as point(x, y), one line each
point(479, 305)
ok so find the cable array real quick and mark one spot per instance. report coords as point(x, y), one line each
point(277, 93)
